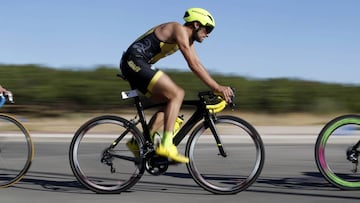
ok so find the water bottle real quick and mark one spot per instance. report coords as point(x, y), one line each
point(156, 137)
point(179, 121)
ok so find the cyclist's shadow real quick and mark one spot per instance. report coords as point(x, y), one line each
point(309, 181)
point(67, 183)
point(310, 184)
point(53, 182)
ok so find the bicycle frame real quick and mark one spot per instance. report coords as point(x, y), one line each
point(200, 113)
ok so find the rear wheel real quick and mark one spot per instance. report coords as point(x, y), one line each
point(106, 154)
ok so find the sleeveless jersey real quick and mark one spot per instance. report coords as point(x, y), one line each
point(149, 47)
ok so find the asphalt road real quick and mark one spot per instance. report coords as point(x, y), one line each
point(289, 175)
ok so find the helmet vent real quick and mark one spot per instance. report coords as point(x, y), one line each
point(211, 18)
point(187, 14)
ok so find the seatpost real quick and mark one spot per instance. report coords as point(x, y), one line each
point(140, 110)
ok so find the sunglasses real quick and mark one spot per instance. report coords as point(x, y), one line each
point(208, 29)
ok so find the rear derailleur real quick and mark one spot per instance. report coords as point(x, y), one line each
point(107, 159)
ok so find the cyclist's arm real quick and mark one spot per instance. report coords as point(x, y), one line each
point(189, 53)
point(192, 59)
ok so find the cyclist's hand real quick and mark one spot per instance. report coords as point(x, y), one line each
point(2, 90)
point(227, 92)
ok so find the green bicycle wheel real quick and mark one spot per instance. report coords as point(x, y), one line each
point(337, 152)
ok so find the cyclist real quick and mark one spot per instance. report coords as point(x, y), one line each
point(161, 41)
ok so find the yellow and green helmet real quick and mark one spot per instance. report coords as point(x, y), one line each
point(200, 15)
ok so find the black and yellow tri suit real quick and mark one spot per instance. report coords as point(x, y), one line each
point(136, 63)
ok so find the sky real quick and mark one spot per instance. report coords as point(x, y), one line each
point(317, 40)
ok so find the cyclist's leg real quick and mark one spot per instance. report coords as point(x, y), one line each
point(164, 89)
point(159, 87)
point(156, 122)
point(155, 125)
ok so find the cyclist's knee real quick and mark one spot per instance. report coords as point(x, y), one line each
point(180, 93)
point(177, 94)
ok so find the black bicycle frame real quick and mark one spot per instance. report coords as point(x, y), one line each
point(357, 145)
point(200, 113)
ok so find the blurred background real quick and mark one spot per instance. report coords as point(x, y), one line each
point(100, 89)
point(283, 57)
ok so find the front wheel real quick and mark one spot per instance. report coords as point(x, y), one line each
point(227, 165)
point(337, 152)
point(106, 154)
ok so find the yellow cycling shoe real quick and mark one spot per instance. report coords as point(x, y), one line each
point(172, 153)
point(133, 147)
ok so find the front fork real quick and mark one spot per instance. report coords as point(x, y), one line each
point(211, 124)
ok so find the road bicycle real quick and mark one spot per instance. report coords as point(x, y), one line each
point(226, 153)
point(337, 151)
point(16, 147)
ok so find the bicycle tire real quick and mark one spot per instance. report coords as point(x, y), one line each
point(338, 134)
point(89, 145)
point(16, 151)
point(233, 173)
